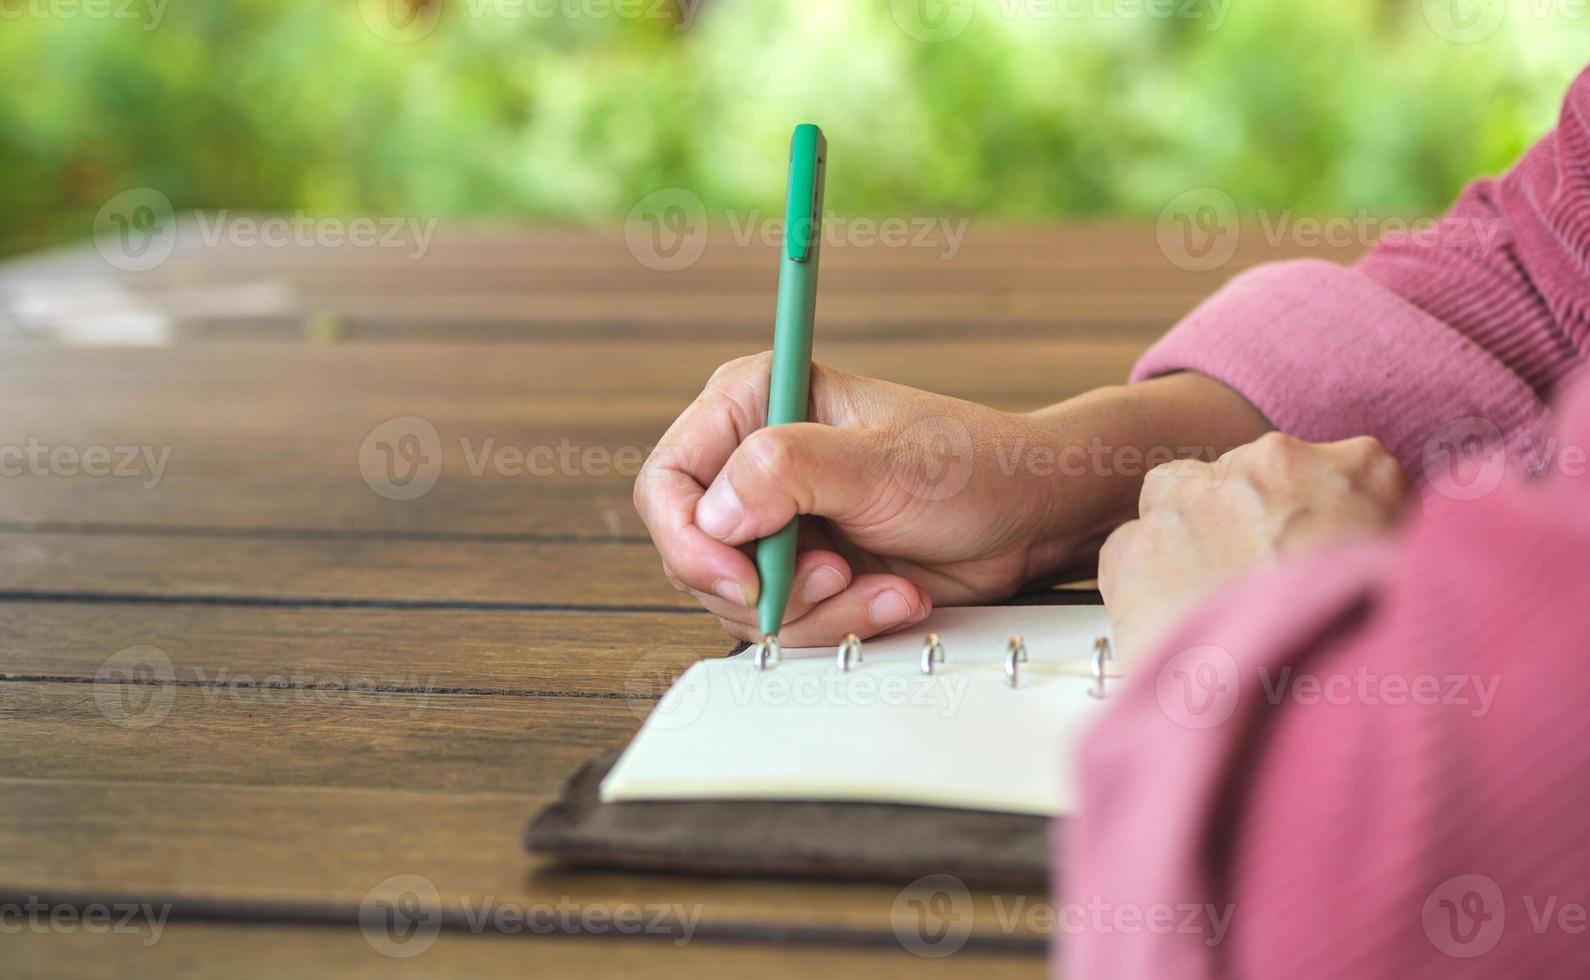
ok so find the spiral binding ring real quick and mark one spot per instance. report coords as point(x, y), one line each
point(768, 652)
point(849, 647)
point(1101, 653)
point(1015, 652)
point(932, 650)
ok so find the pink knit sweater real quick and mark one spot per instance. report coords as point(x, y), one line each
point(1376, 763)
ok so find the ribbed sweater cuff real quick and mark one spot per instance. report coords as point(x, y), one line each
point(1327, 353)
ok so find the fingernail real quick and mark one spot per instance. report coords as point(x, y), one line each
point(824, 582)
point(718, 512)
point(729, 589)
point(889, 608)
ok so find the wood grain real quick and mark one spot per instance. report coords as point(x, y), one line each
point(267, 951)
point(347, 686)
point(316, 853)
point(593, 653)
point(365, 571)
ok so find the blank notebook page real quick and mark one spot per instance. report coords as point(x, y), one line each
point(883, 732)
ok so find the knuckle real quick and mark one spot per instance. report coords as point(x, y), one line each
point(768, 454)
point(1364, 450)
point(1168, 482)
point(674, 580)
point(741, 365)
point(1274, 445)
point(638, 495)
point(1110, 551)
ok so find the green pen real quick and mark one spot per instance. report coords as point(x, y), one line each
point(792, 349)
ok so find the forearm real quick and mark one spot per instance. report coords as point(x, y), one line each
point(1095, 448)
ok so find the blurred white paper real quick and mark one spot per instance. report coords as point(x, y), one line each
point(883, 732)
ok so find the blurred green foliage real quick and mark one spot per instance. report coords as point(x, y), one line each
point(575, 109)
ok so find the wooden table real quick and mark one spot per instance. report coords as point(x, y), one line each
point(243, 678)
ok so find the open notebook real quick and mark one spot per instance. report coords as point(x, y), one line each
point(883, 732)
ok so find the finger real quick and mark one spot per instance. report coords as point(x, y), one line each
point(1110, 558)
point(692, 560)
point(1168, 481)
point(1373, 468)
point(873, 605)
point(819, 575)
point(785, 470)
point(731, 406)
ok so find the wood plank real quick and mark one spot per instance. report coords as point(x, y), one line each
point(198, 949)
point(532, 442)
point(316, 853)
point(616, 653)
point(332, 508)
point(514, 574)
point(466, 249)
point(514, 286)
point(522, 745)
point(511, 379)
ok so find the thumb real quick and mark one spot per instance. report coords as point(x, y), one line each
point(784, 470)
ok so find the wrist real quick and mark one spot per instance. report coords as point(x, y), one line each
point(1088, 455)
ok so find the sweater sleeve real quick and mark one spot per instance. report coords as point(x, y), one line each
point(1471, 321)
point(1370, 764)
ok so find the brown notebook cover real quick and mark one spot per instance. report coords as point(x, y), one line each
point(855, 841)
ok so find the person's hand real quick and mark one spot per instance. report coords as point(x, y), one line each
point(1203, 524)
point(915, 509)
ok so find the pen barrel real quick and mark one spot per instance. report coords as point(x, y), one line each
point(789, 391)
point(775, 565)
point(790, 382)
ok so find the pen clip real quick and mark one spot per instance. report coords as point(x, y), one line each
point(803, 208)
